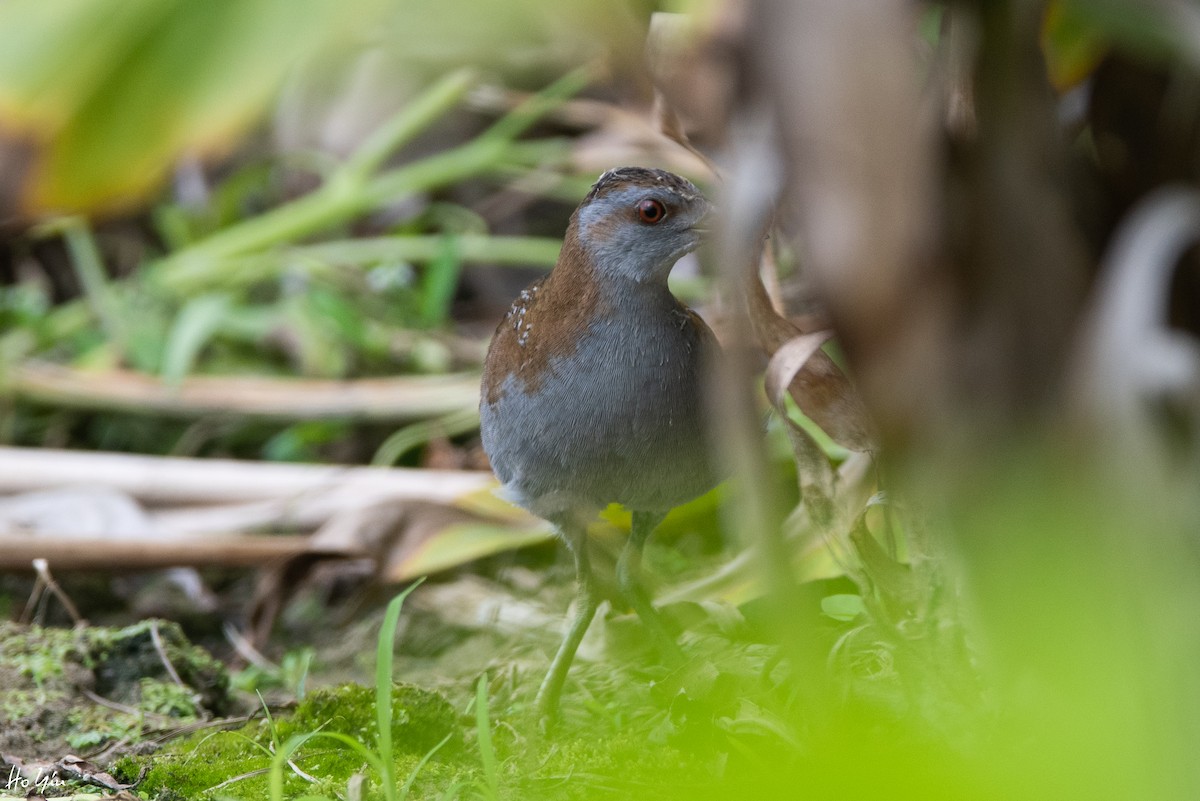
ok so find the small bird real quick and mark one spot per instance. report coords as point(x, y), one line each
point(593, 386)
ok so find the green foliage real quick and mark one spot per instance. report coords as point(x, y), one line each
point(384, 655)
point(41, 669)
point(836, 453)
point(416, 434)
point(843, 607)
point(168, 698)
point(1080, 27)
point(490, 783)
point(144, 82)
point(418, 717)
point(292, 674)
point(862, 682)
point(407, 724)
point(355, 188)
point(198, 320)
point(339, 322)
point(242, 289)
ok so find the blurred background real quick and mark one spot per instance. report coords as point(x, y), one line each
point(251, 254)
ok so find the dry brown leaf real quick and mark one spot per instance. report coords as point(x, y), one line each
point(668, 38)
point(404, 540)
point(788, 361)
point(815, 382)
point(82, 770)
point(693, 66)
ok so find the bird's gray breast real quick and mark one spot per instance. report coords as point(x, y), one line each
point(619, 420)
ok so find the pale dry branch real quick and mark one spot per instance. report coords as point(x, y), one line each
point(65, 552)
point(373, 399)
point(165, 481)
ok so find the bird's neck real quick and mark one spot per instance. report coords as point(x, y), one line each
point(592, 268)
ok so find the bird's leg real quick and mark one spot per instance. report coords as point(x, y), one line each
point(629, 568)
point(585, 609)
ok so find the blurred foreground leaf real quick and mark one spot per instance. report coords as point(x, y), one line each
point(100, 99)
point(1073, 48)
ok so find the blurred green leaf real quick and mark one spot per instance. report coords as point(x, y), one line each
point(340, 317)
point(197, 322)
point(311, 340)
point(441, 279)
point(251, 324)
point(843, 607)
point(835, 452)
point(417, 434)
point(1073, 46)
point(106, 96)
point(390, 252)
point(88, 266)
point(1077, 32)
point(347, 192)
point(303, 442)
point(146, 328)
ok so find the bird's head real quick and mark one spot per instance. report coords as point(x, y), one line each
point(636, 223)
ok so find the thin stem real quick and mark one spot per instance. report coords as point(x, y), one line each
point(89, 269)
point(305, 215)
point(517, 121)
point(446, 167)
point(409, 437)
point(469, 247)
point(401, 128)
point(350, 193)
point(190, 278)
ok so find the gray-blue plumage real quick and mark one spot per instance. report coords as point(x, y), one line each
point(620, 420)
point(594, 385)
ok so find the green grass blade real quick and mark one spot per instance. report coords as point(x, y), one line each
point(88, 265)
point(282, 754)
point(483, 728)
point(383, 686)
point(195, 325)
point(410, 121)
point(412, 777)
point(518, 120)
point(344, 199)
point(451, 792)
point(370, 757)
point(242, 271)
point(416, 434)
point(441, 280)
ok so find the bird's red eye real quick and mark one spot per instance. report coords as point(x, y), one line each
point(651, 211)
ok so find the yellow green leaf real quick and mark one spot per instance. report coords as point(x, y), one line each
point(101, 98)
